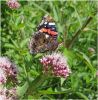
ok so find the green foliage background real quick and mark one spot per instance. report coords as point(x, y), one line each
point(17, 27)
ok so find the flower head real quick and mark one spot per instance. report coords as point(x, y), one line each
point(2, 76)
point(7, 69)
point(13, 4)
point(12, 94)
point(3, 94)
point(6, 94)
point(56, 64)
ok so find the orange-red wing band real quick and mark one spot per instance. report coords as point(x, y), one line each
point(48, 31)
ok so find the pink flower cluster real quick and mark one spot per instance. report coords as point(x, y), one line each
point(7, 69)
point(3, 94)
point(56, 64)
point(8, 94)
point(13, 4)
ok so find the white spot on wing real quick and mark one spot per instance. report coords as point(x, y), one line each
point(47, 36)
point(51, 23)
point(45, 23)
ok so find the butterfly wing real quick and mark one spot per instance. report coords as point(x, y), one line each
point(52, 44)
point(45, 39)
point(39, 43)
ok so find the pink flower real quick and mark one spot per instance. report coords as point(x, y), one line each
point(2, 76)
point(7, 69)
point(13, 4)
point(57, 64)
point(12, 94)
point(3, 94)
point(6, 94)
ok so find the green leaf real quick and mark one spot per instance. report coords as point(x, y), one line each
point(52, 92)
point(62, 80)
point(74, 81)
point(15, 44)
point(86, 60)
point(7, 45)
point(84, 97)
point(69, 55)
point(38, 55)
point(24, 42)
point(22, 90)
point(36, 83)
point(21, 26)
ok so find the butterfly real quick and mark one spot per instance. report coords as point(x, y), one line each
point(45, 39)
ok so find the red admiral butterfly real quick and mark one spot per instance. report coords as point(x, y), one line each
point(45, 39)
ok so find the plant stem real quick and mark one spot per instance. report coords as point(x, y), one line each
point(79, 31)
point(64, 43)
